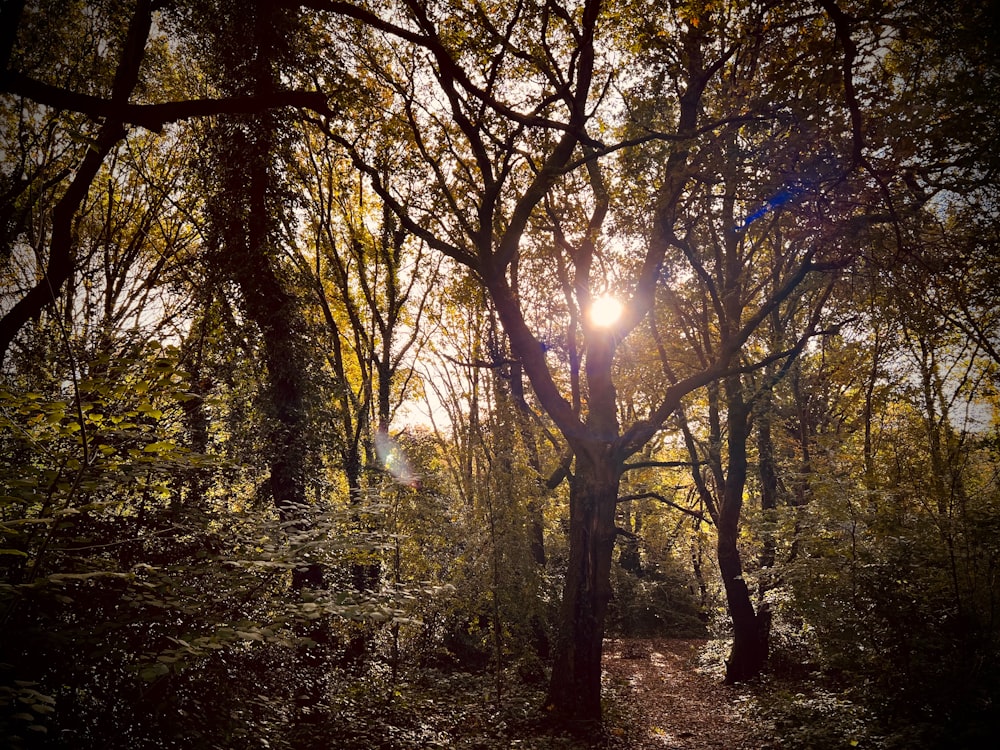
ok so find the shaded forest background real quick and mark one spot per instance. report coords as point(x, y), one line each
point(308, 435)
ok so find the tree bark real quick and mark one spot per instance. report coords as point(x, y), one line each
point(767, 471)
point(247, 219)
point(575, 688)
point(751, 630)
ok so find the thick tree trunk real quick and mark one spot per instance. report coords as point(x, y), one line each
point(575, 687)
point(275, 313)
point(248, 218)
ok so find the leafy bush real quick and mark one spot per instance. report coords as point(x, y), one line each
point(658, 603)
point(814, 720)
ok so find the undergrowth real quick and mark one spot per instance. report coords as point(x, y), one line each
point(454, 709)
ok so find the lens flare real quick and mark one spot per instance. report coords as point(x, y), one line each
point(393, 460)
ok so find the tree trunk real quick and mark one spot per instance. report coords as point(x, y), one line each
point(276, 314)
point(248, 215)
point(767, 471)
point(751, 630)
point(522, 414)
point(575, 687)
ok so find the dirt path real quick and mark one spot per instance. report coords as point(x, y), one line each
point(679, 708)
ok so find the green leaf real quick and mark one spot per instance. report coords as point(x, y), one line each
point(154, 672)
point(149, 410)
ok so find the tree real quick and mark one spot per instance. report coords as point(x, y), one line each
point(59, 264)
point(878, 553)
point(371, 288)
point(503, 165)
point(248, 210)
point(102, 91)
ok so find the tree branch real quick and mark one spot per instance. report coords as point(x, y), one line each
point(155, 116)
point(431, 42)
point(667, 501)
point(660, 465)
point(842, 24)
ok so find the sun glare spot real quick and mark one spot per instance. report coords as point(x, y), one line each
point(394, 461)
point(605, 311)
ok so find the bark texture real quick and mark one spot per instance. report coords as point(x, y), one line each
point(575, 688)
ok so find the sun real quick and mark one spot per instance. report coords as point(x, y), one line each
point(605, 311)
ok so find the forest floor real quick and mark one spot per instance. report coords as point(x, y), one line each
point(656, 697)
point(666, 702)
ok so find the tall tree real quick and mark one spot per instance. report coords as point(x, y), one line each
point(371, 286)
point(109, 81)
point(249, 212)
point(60, 257)
point(504, 166)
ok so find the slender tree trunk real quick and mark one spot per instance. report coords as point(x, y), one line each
point(629, 558)
point(575, 687)
point(522, 416)
point(751, 630)
point(768, 473)
point(196, 416)
point(699, 573)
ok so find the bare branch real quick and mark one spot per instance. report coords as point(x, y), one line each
point(666, 501)
point(155, 116)
point(660, 465)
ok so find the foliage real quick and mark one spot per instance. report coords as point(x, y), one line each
point(659, 602)
point(818, 719)
point(305, 431)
